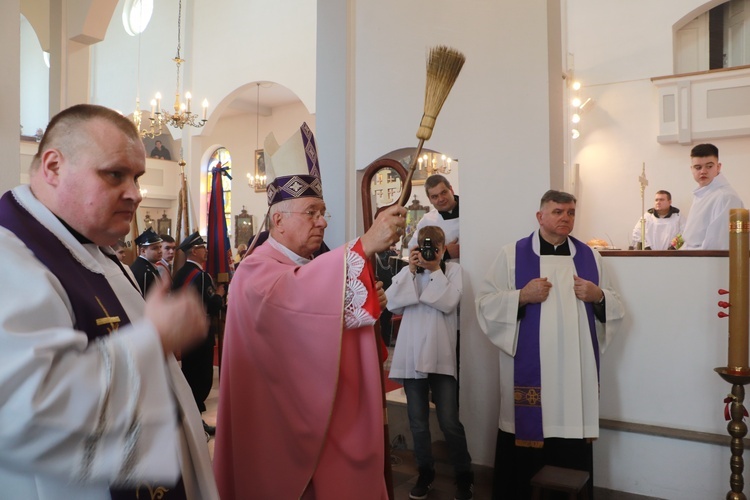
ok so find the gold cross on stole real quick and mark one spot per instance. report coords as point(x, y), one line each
point(112, 321)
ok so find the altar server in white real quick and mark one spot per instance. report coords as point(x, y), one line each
point(445, 216)
point(707, 225)
point(93, 404)
point(663, 224)
point(548, 306)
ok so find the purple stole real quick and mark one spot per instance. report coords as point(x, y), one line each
point(96, 308)
point(527, 393)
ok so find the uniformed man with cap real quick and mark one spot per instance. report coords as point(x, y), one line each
point(149, 253)
point(198, 363)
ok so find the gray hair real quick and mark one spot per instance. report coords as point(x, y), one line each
point(557, 197)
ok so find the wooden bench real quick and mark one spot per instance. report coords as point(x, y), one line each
point(570, 481)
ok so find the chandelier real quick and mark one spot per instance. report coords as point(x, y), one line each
point(435, 163)
point(183, 113)
point(257, 181)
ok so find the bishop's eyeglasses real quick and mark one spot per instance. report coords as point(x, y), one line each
point(313, 215)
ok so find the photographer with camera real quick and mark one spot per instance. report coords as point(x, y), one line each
point(427, 294)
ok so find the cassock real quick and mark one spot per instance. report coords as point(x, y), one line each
point(707, 226)
point(567, 351)
point(81, 415)
point(300, 405)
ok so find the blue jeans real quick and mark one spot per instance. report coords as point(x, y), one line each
point(444, 395)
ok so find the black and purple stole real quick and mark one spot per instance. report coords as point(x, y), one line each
point(527, 393)
point(94, 303)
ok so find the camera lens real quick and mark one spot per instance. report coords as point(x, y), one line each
point(427, 250)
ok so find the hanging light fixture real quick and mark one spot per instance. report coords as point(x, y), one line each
point(435, 163)
point(257, 181)
point(139, 22)
point(183, 114)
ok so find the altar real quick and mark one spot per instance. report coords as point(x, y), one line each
point(660, 397)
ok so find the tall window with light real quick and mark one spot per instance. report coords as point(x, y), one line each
point(221, 155)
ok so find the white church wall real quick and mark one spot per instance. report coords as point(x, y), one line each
point(661, 467)
point(618, 133)
point(495, 120)
point(34, 82)
point(264, 40)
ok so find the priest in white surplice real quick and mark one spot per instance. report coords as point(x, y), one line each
point(547, 304)
point(93, 404)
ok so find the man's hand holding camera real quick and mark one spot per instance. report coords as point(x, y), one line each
point(426, 256)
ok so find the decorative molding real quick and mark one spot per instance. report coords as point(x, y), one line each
point(704, 105)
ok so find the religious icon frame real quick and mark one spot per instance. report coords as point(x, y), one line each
point(260, 170)
point(164, 224)
point(243, 228)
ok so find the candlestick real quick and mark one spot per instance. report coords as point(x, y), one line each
point(739, 232)
point(643, 182)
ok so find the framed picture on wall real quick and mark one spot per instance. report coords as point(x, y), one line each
point(164, 224)
point(260, 170)
point(420, 175)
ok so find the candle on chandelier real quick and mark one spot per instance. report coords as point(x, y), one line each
point(188, 98)
point(739, 227)
point(205, 108)
point(153, 106)
point(158, 102)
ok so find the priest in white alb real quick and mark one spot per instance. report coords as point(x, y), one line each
point(548, 305)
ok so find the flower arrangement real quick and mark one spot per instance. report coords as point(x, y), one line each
point(677, 242)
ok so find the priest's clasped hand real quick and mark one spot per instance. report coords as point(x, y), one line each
point(587, 291)
point(535, 291)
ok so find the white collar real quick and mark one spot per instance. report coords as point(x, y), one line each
point(297, 259)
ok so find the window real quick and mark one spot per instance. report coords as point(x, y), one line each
point(717, 38)
point(221, 155)
point(136, 15)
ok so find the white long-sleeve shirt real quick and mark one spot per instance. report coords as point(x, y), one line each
point(427, 336)
point(707, 226)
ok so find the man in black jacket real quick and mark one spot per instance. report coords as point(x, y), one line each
point(149, 253)
point(198, 363)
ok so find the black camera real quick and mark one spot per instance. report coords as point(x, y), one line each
point(427, 251)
